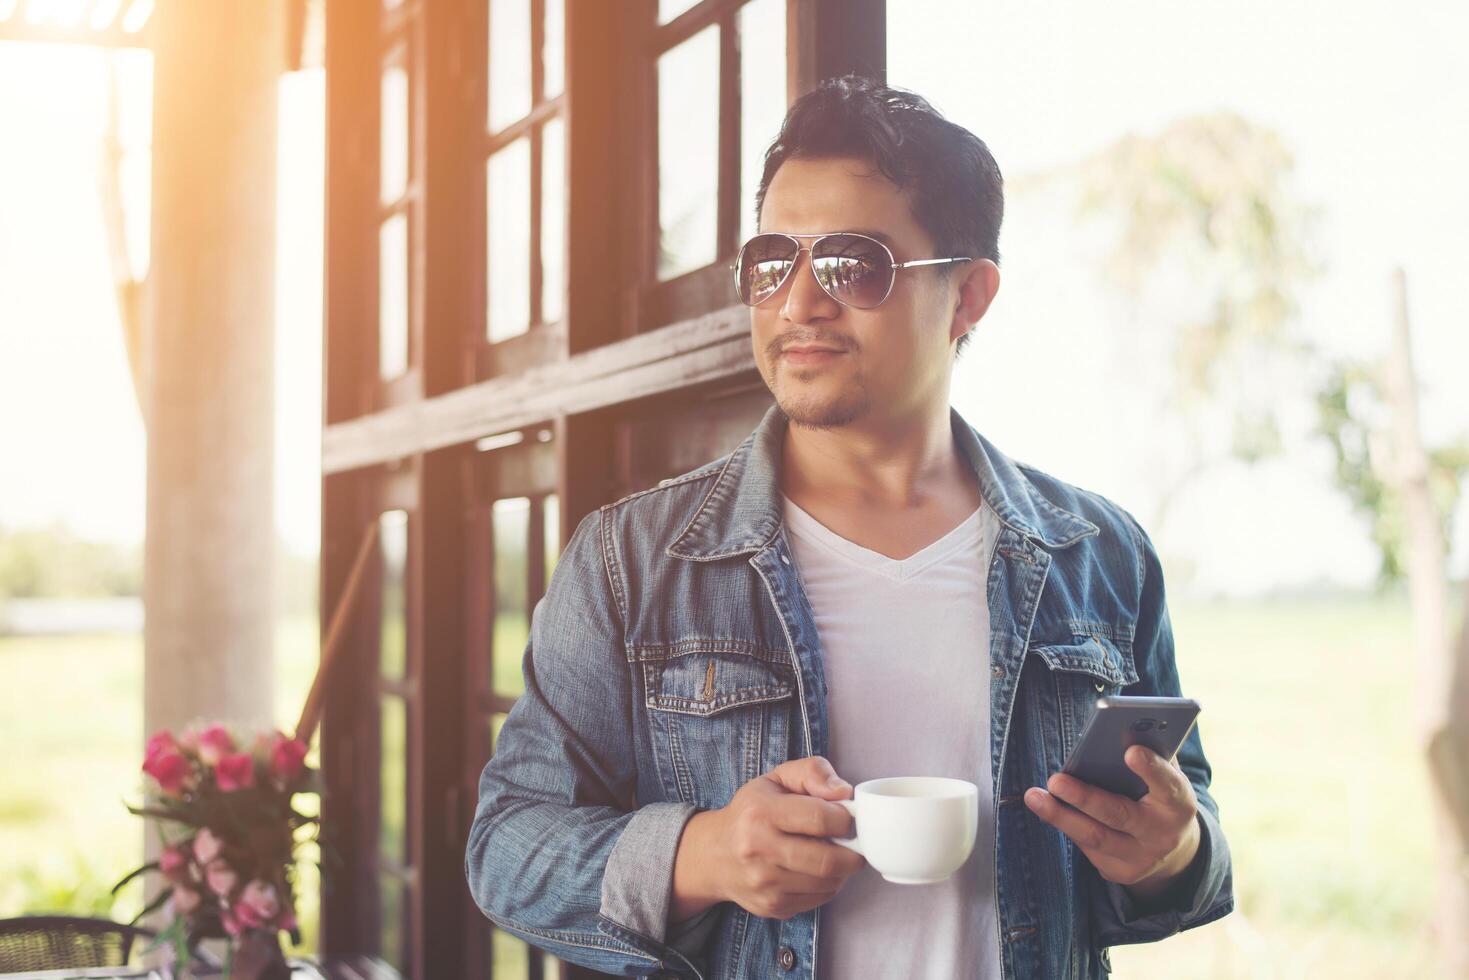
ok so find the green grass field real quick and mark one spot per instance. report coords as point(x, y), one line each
point(1307, 721)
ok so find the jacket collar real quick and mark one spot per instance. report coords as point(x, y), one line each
point(742, 512)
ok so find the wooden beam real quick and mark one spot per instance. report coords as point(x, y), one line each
point(17, 29)
point(713, 346)
point(827, 38)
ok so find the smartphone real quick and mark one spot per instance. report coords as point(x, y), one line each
point(1116, 724)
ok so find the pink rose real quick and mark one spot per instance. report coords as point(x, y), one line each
point(169, 769)
point(185, 899)
point(287, 757)
point(258, 905)
point(174, 864)
point(222, 878)
point(235, 771)
point(160, 743)
point(207, 846)
point(230, 923)
point(214, 744)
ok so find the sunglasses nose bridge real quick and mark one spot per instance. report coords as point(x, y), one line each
point(804, 281)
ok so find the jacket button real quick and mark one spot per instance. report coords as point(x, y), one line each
point(786, 957)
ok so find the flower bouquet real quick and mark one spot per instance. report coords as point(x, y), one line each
point(229, 831)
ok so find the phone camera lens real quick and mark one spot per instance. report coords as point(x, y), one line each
point(1142, 725)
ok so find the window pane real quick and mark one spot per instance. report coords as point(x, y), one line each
point(497, 722)
point(508, 251)
point(393, 642)
point(392, 339)
point(393, 779)
point(555, 50)
point(511, 956)
point(762, 95)
point(512, 533)
point(669, 9)
point(509, 62)
point(552, 518)
point(394, 134)
point(688, 154)
point(553, 219)
point(395, 914)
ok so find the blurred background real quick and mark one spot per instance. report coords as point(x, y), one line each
point(271, 281)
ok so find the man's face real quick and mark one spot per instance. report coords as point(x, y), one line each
point(884, 364)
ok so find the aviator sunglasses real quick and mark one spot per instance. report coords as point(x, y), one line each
point(855, 270)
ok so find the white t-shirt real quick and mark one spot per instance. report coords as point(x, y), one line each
point(906, 650)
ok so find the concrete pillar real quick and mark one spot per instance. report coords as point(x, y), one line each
point(208, 364)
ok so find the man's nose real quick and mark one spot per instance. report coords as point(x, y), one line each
point(805, 299)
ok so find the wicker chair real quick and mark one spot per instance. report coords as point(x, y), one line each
point(58, 942)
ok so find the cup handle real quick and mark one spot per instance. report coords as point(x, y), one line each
point(850, 843)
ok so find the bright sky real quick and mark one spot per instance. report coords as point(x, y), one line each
point(1363, 95)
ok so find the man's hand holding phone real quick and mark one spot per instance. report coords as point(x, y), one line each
point(1143, 844)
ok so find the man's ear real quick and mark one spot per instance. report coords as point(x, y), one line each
point(976, 292)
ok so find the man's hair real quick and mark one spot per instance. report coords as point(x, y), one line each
point(956, 188)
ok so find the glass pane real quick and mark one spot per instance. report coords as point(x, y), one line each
point(762, 95)
point(553, 220)
point(393, 645)
point(511, 956)
point(509, 62)
point(508, 247)
point(512, 628)
point(394, 134)
point(393, 779)
point(497, 722)
point(555, 49)
point(688, 153)
point(669, 9)
point(394, 912)
point(552, 518)
point(392, 284)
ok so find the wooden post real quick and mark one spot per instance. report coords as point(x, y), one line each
point(1428, 588)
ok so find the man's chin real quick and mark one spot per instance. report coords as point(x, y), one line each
point(822, 413)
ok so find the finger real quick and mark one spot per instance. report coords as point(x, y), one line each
point(1166, 782)
point(1092, 836)
point(1114, 811)
point(811, 776)
point(817, 864)
point(810, 817)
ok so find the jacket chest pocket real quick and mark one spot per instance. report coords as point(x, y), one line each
point(718, 719)
point(1083, 670)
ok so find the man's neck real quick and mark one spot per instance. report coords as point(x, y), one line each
point(886, 464)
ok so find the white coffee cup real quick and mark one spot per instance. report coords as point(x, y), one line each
point(915, 830)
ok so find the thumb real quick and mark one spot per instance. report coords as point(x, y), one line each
point(812, 776)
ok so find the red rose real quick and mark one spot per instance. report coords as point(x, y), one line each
point(236, 771)
point(287, 757)
point(170, 769)
point(214, 744)
point(159, 744)
point(173, 863)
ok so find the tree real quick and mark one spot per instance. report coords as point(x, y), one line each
point(1209, 246)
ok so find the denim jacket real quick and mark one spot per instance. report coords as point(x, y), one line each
point(674, 658)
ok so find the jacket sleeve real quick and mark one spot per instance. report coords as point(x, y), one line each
point(1206, 891)
point(559, 854)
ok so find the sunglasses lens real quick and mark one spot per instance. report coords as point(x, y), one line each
point(855, 270)
point(765, 261)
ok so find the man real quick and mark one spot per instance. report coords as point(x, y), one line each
point(866, 587)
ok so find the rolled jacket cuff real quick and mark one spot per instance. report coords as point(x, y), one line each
point(637, 883)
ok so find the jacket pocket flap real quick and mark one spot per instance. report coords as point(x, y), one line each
point(708, 683)
point(1094, 655)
